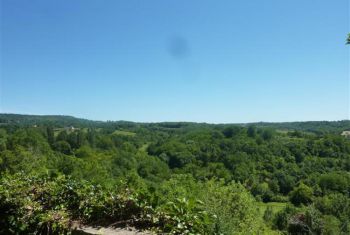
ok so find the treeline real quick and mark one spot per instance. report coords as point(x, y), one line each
point(181, 178)
point(319, 127)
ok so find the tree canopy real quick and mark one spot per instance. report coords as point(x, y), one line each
point(178, 178)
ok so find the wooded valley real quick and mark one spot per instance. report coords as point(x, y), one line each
point(176, 178)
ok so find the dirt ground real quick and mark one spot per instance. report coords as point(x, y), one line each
point(109, 231)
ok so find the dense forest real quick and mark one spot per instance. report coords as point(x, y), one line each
point(176, 178)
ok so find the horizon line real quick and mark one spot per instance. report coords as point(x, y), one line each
point(150, 122)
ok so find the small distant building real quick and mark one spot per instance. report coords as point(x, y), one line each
point(346, 134)
point(70, 128)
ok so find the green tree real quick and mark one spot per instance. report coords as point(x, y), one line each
point(335, 182)
point(302, 194)
point(267, 134)
point(50, 135)
point(262, 191)
point(251, 131)
point(234, 207)
point(3, 139)
point(62, 136)
point(231, 131)
point(91, 137)
point(63, 147)
point(331, 225)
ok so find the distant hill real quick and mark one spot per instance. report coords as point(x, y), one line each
point(56, 120)
point(309, 126)
point(64, 121)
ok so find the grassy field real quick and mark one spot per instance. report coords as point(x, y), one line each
point(58, 130)
point(276, 206)
point(125, 133)
point(143, 148)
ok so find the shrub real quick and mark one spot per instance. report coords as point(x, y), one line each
point(302, 194)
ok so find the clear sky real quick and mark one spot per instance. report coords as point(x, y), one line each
point(176, 60)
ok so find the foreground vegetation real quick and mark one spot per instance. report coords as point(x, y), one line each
point(178, 178)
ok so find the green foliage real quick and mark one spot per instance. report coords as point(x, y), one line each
point(50, 135)
point(337, 205)
point(63, 147)
point(262, 192)
point(251, 131)
point(233, 206)
point(31, 205)
point(231, 131)
point(3, 139)
point(44, 205)
point(339, 182)
point(185, 217)
point(331, 225)
point(268, 214)
point(267, 134)
point(282, 218)
point(301, 195)
point(177, 177)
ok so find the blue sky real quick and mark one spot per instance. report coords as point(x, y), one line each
point(180, 60)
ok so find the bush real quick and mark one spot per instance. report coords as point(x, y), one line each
point(233, 206)
point(44, 205)
point(302, 194)
point(31, 205)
